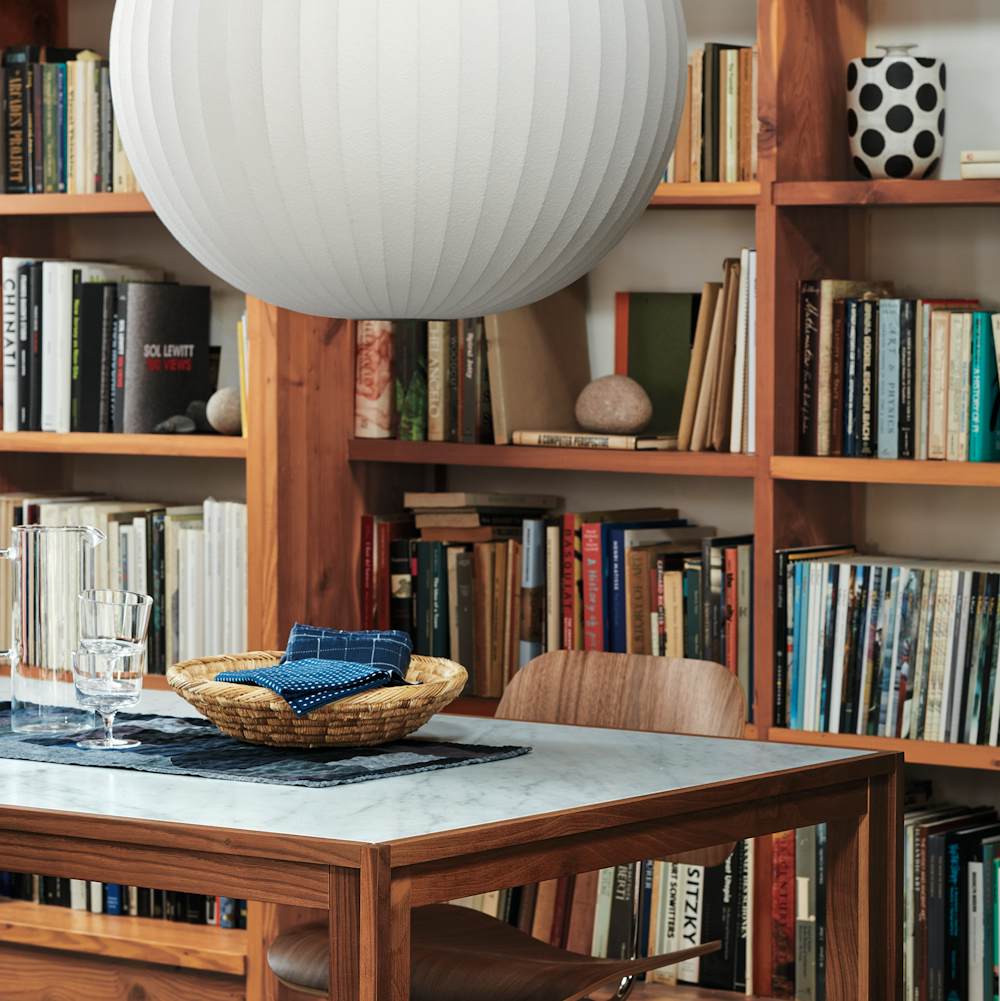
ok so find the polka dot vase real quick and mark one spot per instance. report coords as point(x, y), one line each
point(895, 113)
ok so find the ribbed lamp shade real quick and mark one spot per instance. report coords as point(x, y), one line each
point(398, 158)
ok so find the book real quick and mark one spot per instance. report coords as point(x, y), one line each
point(162, 353)
point(710, 294)
point(538, 362)
point(979, 170)
point(374, 386)
point(984, 421)
point(9, 277)
point(460, 499)
point(585, 439)
point(654, 332)
point(438, 335)
point(532, 590)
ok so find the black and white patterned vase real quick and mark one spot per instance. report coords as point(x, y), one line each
point(895, 113)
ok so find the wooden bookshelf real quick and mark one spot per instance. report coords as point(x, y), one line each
point(888, 193)
point(706, 195)
point(146, 940)
point(165, 445)
point(660, 992)
point(917, 752)
point(67, 205)
point(523, 457)
point(899, 471)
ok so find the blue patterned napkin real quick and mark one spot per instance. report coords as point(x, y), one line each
point(389, 649)
point(308, 684)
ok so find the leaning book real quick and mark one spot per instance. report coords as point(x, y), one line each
point(572, 439)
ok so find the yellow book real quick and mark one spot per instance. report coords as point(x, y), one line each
point(241, 353)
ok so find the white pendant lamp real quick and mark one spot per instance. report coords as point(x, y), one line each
point(398, 158)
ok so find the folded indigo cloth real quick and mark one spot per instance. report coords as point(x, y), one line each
point(388, 649)
point(310, 683)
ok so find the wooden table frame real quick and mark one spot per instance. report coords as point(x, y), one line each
point(369, 889)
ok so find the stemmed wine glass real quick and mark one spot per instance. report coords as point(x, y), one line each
point(109, 665)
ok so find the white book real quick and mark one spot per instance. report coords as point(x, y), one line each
point(138, 575)
point(212, 613)
point(602, 912)
point(689, 905)
point(750, 429)
point(57, 329)
point(78, 894)
point(977, 931)
point(866, 642)
point(959, 361)
point(979, 171)
point(132, 900)
point(980, 156)
point(229, 577)
point(96, 897)
point(192, 596)
point(921, 379)
point(844, 576)
point(949, 654)
point(11, 303)
point(940, 638)
point(740, 363)
point(241, 579)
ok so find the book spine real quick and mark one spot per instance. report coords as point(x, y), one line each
point(106, 140)
point(401, 587)
point(75, 400)
point(593, 587)
point(808, 341)
point(958, 374)
point(783, 915)
point(567, 581)
point(867, 428)
point(439, 601)
point(37, 126)
point(691, 902)
point(937, 435)
point(34, 366)
point(470, 382)
point(984, 425)
point(373, 391)
point(622, 910)
point(10, 342)
point(907, 379)
point(781, 597)
point(437, 369)
point(367, 572)
point(16, 130)
point(454, 381)
point(837, 379)
point(888, 379)
point(532, 590)
point(616, 599)
point(61, 128)
point(50, 126)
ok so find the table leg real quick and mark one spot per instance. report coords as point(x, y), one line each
point(864, 913)
point(384, 930)
point(345, 910)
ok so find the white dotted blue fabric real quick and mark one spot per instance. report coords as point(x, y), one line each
point(308, 684)
point(321, 666)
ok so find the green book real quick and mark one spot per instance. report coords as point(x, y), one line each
point(410, 347)
point(984, 421)
point(653, 336)
point(433, 638)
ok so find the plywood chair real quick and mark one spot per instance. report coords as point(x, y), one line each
point(461, 955)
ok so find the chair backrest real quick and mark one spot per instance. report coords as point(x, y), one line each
point(627, 692)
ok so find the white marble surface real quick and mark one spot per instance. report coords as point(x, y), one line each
point(569, 767)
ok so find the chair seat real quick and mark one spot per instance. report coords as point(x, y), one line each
point(462, 955)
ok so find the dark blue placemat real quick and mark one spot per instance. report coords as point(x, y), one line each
point(174, 745)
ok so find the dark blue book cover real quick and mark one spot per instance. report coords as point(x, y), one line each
point(113, 898)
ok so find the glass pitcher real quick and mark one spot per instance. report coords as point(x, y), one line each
point(50, 567)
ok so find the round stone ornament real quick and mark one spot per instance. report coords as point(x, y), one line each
point(614, 404)
point(896, 113)
point(224, 411)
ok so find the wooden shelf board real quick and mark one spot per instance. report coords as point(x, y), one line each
point(146, 940)
point(903, 471)
point(472, 705)
point(706, 195)
point(105, 204)
point(888, 193)
point(917, 752)
point(522, 457)
point(203, 446)
point(661, 992)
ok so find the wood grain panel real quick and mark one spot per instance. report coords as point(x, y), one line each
point(345, 934)
point(166, 868)
point(73, 205)
point(888, 193)
point(41, 975)
point(265, 922)
point(549, 858)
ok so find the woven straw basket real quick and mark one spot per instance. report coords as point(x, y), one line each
point(258, 716)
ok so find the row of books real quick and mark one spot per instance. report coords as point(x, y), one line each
point(717, 138)
point(419, 380)
point(494, 580)
point(59, 131)
point(695, 355)
point(190, 559)
point(889, 647)
point(119, 900)
point(678, 906)
point(90, 346)
point(951, 894)
point(894, 378)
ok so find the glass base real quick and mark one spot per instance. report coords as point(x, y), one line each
point(103, 744)
point(53, 727)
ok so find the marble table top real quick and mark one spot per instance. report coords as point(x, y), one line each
point(569, 767)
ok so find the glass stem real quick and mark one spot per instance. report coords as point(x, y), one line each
point(109, 722)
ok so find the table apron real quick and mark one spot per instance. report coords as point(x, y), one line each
point(163, 867)
point(468, 874)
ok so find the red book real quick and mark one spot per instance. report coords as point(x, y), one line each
point(731, 576)
point(580, 934)
point(386, 532)
point(783, 915)
point(593, 587)
point(567, 584)
point(367, 572)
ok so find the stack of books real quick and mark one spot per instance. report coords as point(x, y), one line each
point(717, 139)
point(888, 647)
point(494, 580)
point(895, 378)
point(119, 900)
point(951, 879)
point(679, 906)
point(980, 163)
point(419, 380)
point(191, 560)
point(91, 346)
point(59, 133)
